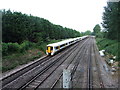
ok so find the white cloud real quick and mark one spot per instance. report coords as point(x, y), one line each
point(77, 14)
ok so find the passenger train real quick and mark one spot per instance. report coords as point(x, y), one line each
point(55, 47)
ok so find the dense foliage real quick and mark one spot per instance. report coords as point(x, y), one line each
point(111, 20)
point(88, 32)
point(18, 27)
point(110, 46)
point(10, 48)
point(97, 31)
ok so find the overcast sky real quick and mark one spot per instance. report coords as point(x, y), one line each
point(80, 15)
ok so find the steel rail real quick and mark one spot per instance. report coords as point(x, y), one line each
point(74, 68)
point(25, 70)
point(98, 67)
point(46, 68)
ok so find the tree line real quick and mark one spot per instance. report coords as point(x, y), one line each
point(111, 20)
point(18, 27)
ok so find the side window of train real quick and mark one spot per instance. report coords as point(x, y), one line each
point(62, 45)
point(51, 48)
point(57, 47)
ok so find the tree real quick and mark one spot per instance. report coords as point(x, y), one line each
point(18, 27)
point(111, 19)
point(97, 30)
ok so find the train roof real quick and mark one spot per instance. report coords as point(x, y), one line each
point(63, 42)
point(60, 43)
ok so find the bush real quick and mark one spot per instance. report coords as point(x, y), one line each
point(39, 53)
point(25, 46)
point(111, 46)
point(8, 48)
point(42, 47)
point(113, 49)
point(13, 47)
point(4, 48)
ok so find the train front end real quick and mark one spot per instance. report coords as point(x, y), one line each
point(49, 50)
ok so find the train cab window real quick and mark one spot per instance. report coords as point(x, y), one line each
point(51, 48)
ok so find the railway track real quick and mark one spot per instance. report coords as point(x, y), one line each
point(73, 68)
point(79, 79)
point(81, 58)
point(74, 62)
point(89, 74)
point(94, 73)
point(11, 77)
point(15, 77)
point(89, 70)
point(40, 79)
point(100, 81)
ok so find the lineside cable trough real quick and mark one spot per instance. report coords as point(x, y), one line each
point(67, 82)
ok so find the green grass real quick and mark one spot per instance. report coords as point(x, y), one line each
point(111, 46)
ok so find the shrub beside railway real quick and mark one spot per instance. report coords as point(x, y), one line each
point(110, 46)
point(14, 54)
point(10, 48)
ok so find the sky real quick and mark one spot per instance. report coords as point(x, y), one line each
point(81, 15)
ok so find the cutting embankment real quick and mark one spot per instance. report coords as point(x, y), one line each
point(111, 48)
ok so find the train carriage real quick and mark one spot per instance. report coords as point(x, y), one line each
point(55, 47)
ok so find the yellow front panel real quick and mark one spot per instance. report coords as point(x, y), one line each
point(48, 49)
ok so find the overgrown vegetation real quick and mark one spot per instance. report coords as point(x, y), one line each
point(108, 38)
point(110, 46)
point(10, 48)
point(11, 61)
point(15, 54)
